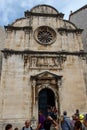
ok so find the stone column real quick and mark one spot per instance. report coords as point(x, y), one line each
point(59, 82)
point(33, 96)
point(35, 104)
point(33, 85)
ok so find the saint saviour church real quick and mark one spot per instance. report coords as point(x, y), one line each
point(44, 64)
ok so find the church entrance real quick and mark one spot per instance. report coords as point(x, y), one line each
point(46, 98)
point(45, 87)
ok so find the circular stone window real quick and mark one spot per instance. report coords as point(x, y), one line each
point(45, 35)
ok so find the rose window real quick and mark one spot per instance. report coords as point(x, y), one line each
point(45, 35)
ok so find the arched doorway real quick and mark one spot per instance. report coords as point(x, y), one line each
point(46, 98)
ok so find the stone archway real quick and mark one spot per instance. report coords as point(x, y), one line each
point(47, 82)
point(46, 97)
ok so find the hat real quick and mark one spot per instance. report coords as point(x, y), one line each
point(81, 116)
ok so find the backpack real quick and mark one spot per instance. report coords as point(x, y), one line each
point(24, 127)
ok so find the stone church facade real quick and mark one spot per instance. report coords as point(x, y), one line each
point(43, 64)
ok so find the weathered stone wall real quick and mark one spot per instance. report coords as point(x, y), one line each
point(21, 40)
point(2, 42)
point(17, 88)
point(80, 20)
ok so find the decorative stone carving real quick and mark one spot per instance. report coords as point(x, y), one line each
point(33, 62)
point(48, 62)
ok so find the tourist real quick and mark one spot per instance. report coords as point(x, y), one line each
point(27, 125)
point(78, 125)
point(16, 128)
point(85, 122)
point(40, 125)
point(8, 127)
point(66, 123)
point(77, 113)
point(54, 125)
point(47, 123)
point(74, 119)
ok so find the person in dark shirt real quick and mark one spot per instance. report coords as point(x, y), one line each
point(77, 113)
point(78, 125)
point(47, 124)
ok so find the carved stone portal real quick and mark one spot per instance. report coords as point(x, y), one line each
point(42, 81)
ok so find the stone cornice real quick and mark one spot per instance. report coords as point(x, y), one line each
point(76, 53)
point(9, 28)
point(28, 14)
point(69, 30)
point(45, 75)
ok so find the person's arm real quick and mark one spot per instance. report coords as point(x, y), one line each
point(54, 122)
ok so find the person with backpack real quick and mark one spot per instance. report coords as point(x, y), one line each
point(66, 122)
point(27, 125)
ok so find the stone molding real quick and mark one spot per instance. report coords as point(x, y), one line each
point(28, 14)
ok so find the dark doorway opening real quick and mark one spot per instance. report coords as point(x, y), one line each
point(46, 98)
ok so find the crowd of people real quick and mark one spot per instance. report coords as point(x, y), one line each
point(53, 122)
point(27, 126)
